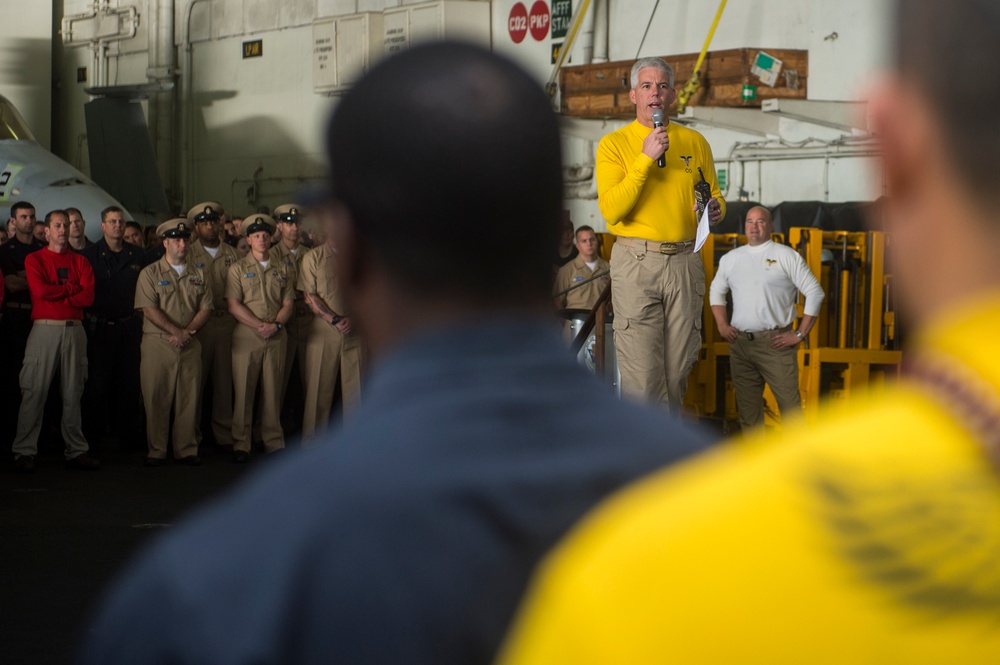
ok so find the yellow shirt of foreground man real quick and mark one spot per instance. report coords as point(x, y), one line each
point(871, 537)
point(639, 199)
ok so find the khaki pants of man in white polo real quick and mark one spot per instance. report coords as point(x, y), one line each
point(752, 362)
point(658, 302)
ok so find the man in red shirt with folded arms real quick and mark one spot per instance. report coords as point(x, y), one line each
point(61, 283)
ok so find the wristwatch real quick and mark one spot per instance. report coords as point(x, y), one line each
point(279, 324)
point(337, 318)
point(798, 333)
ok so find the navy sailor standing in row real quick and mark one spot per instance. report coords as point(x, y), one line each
point(175, 298)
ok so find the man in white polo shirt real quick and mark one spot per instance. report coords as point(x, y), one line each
point(765, 278)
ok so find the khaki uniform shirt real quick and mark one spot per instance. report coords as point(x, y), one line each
point(180, 297)
point(294, 258)
point(262, 290)
point(573, 273)
point(217, 268)
point(317, 275)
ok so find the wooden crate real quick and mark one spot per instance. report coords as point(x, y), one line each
point(601, 90)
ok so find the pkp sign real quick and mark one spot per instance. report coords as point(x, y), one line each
point(538, 20)
point(520, 21)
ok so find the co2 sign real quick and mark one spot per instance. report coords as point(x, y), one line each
point(520, 21)
point(517, 23)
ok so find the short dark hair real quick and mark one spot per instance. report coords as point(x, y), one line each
point(584, 228)
point(110, 209)
point(20, 205)
point(74, 210)
point(133, 225)
point(469, 143)
point(53, 213)
point(947, 49)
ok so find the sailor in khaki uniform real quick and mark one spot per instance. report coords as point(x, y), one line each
point(215, 257)
point(261, 295)
point(332, 344)
point(288, 217)
point(176, 301)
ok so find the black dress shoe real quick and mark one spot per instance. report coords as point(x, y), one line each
point(25, 464)
point(154, 461)
point(241, 457)
point(83, 462)
point(190, 460)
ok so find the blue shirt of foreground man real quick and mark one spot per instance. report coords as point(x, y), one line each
point(410, 536)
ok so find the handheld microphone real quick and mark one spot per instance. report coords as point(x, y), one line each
point(658, 122)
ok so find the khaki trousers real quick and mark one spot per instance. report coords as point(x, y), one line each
point(299, 330)
point(257, 360)
point(169, 375)
point(352, 359)
point(658, 303)
point(50, 347)
point(327, 351)
point(216, 338)
point(322, 361)
point(754, 362)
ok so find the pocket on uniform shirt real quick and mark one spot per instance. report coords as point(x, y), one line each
point(251, 288)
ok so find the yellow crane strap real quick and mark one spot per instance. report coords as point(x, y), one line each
point(694, 82)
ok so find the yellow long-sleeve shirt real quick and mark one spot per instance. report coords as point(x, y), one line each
point(872, 536)
point(641, 200)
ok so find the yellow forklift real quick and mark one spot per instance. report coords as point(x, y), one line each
point(853, 347)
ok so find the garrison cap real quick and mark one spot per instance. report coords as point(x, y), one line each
point(177, 227)
point(289, 213)
point(258, 222)
point(204, 211)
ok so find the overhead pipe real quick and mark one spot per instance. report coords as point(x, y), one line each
point(161, 71)
point(186, 169)
point(601, 30)
point(761, 152)
point(99, 46)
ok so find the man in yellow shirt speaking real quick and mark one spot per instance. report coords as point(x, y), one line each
point(646, 177)
point(873, 535)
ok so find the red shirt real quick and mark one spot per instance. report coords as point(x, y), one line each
point(61, 285)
